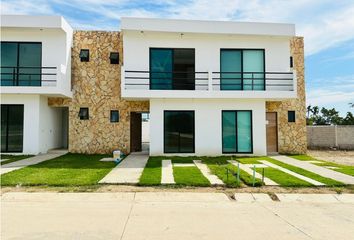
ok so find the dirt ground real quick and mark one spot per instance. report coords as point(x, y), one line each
point(228, 191)
point(341, 157)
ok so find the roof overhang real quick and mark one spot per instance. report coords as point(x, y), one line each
point(207, 27)
point(35, 22)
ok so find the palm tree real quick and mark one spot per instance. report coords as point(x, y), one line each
point(309, 109)
point(351, 105)
point(315, 110)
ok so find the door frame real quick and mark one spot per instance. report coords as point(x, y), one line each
point(7, 127)
point(276, 132)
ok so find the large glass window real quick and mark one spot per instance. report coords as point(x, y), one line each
point(172, 69)
point(11, 128)
point(21, 64)
point(179, 131)
point(237, 131)
point(242, 69)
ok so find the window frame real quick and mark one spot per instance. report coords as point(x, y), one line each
point(222, 127)
point(242, 72)
point(110, 58)
point(88, 113)
point(82, 59)
point(111, 114)
point(18, 59)
point(164, 132)
point(290, 120)
point(173, 64)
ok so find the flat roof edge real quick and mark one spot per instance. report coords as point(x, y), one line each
point(27, 21)
point(212, 27)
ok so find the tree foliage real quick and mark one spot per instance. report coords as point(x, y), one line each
point(324, 116)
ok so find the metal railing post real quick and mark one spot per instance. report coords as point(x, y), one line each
point(210, 81)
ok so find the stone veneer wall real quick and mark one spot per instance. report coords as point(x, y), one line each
point(96, 85)
point(292, 136)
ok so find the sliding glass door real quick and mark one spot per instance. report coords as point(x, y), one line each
point(179, 131)
point(172, 69)
point(242, 69)
point(237, 131)
point(21, 63)
point(11, 128)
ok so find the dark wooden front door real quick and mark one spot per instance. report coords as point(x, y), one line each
point(135, 132)
point(272, 132)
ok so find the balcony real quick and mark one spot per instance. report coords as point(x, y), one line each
point(147, 84)
point(35, 80)
point(28, 76)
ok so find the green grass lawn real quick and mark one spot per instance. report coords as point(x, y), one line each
point(184, 176)
point(280, 176)
point(152, 172)
point(13, 158)
point(189, 176)
point(340, 168)
point(67, 170)
point(220, 167)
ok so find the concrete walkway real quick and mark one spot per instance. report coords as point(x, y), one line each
point(304, 178)
point(249, 170)
point(167, 172)
point(128, 171)
point(31, 161)
point(325, 172)
point(173, 216)
point(213, 179)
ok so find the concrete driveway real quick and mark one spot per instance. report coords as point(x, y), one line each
point(171, 216)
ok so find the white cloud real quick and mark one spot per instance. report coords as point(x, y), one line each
point(323, 23)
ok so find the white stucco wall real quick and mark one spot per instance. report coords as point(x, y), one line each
point(207, 60)
point(207, 49)
point(208, 135)
point(56, 52)
point(50, 126)
point(42, 125)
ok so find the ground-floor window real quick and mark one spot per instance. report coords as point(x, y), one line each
point(237, 131)
point(11, 128)
point(179, 131)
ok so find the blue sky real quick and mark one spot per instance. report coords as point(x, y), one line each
point(327, 25)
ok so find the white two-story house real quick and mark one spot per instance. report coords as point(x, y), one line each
point(212, 85)
point(35, 65)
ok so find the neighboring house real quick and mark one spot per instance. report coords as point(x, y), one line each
point(210, 87)
point(35, 65)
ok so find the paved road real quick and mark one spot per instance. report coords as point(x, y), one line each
point(169, 216)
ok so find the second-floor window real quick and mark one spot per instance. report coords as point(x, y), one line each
point(242, 69)
point(172, 69)
point(21, 63)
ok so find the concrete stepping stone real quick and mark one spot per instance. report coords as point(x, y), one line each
point(256, 165)
point(167, 172)
point(128, 171)
point(310, 180)
point(331, 167)
point(183, 165)
point(315, 161)
point(107, 160)
point(249, 170)
point(213, 179)
point(9, 167)
point(322, 171)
